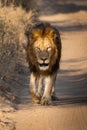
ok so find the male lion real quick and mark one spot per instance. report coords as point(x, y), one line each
point(43, 55)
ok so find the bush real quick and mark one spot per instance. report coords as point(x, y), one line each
point(13, 21)
point(26, 4)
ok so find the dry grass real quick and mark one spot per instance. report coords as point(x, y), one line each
point(13, 21)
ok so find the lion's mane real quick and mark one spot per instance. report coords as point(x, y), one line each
point(42, 29)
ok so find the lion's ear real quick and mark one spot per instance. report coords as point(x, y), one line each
point(28, 30)
point(52, 34)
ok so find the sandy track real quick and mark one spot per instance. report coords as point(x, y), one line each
point(70, 112)
point(52, 118)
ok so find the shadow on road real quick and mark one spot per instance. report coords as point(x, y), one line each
point(71, 84)
point(62, 6)
point(73, 100)
point(68, 28)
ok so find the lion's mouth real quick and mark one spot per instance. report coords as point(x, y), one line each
point(43, 66)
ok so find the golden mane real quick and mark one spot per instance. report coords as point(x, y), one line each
point(39, 31)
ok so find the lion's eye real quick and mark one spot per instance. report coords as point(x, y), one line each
point(37, 49)
point(49, 49)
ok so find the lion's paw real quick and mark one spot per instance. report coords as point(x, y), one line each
point(39, 95)
point(36, 99)
point(46, 101)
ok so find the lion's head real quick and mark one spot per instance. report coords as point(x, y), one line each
point(44, 48)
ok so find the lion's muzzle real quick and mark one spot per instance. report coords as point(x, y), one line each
point(43, 59)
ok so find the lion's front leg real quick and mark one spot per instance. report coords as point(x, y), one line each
point(49, 82)
point(40, 86)
point(33, 88)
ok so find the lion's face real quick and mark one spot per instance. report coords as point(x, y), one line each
point(44, 47)
point(43, 51)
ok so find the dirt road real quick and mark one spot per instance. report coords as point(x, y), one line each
point(70, 111)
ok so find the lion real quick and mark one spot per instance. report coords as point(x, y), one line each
point(43, 55)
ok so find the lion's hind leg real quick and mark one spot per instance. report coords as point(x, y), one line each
point(53, 94)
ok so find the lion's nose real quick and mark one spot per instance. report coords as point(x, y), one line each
point(44, 58)
point(44, 55)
